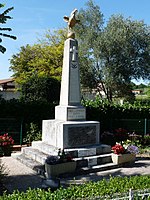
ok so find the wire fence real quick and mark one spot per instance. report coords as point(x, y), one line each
point(130, 195)
point(135, 195)
point(13, 127)
point(140, 126)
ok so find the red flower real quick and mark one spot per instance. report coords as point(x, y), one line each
point(6, 140)
point(118, 149)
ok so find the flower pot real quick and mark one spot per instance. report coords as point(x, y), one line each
point(61, 168)
point(123, 158)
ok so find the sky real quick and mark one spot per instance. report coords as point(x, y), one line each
point(32, 18)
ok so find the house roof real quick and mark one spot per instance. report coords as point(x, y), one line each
point(4, 81)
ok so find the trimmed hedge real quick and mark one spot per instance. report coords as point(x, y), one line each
point(86, 190)
point(107, 113)
point(98, 110)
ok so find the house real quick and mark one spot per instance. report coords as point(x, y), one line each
point(8, 89)
point(137, 91)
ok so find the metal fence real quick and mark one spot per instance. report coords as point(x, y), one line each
point(135, 195)
point(130, 195)
point(140, 126)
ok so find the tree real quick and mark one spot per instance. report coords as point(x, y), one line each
point(45, 89)
point(43, 58)
point(88, 31)
point(3, 19)
point(124, 53)
point(37, 69)
point(117, 53)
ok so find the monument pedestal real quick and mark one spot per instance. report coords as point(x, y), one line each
point(70, 113)
point(69, 134)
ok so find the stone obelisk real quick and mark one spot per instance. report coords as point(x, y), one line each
point(70, 128)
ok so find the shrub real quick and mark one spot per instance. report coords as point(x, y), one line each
point(146, 140)
point(33, 133)
point(87, 190)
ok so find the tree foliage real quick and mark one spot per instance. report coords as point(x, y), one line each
point(116, 53)
point(44, 58)
point(124, 51)
point(3, 19)
point(88, 32)
point(37, 69)
point(43, 89)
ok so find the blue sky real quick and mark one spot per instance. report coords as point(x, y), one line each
point(31, 18)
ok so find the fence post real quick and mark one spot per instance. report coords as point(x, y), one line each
point(131, 195)
point(145, 126)
point(21, 131)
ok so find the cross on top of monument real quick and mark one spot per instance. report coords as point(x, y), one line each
point(74, 52)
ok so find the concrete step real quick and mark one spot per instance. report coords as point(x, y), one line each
point(90, 150)
point(85, 157)
point(40, 169)
point(92, 169)
point(34, 154)
point(36, 166)
point(45, 148)
point(93, 160)
point(84, 161)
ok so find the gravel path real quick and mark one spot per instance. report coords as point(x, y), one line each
point(21, 177)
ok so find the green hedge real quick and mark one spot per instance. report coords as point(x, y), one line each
point(99, 110)
point(110, 114)
point(24, 113)
point(87, 190)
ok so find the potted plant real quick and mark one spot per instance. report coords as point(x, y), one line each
point(124, 155)
point(56, 165)
point(6, 143)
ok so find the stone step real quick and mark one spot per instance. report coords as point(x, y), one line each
point(91, 150)
point(92, 169)
point(74, 152)
point(40, 169)
point(34, 165)
point(45, 148)
point(34, 154)
point(93, 160)
point(83, 161)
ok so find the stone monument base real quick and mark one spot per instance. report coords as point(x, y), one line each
point(69, 134)
point(70, 113)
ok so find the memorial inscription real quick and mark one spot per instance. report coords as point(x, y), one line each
point(82, 135)
point(75, 114)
